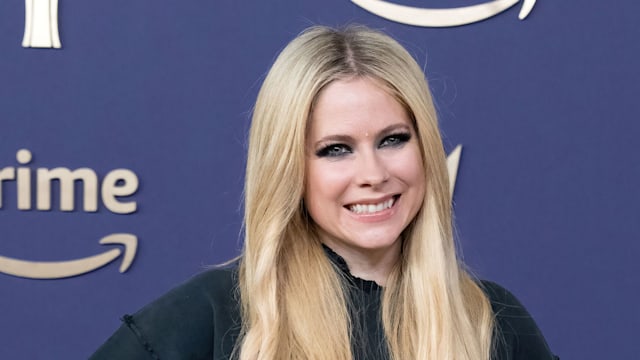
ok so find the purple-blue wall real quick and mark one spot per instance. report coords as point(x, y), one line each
point(547, 200)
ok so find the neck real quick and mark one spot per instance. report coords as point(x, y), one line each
point(368, 264)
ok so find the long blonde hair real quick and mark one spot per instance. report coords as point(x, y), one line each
point(293, 302)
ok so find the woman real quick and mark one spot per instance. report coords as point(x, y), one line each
point(348, 250)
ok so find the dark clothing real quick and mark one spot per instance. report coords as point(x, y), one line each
point(200, 319)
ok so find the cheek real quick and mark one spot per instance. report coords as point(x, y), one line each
point(326, 181)
point(409, 168)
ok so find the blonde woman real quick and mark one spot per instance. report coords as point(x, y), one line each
point(348, 250)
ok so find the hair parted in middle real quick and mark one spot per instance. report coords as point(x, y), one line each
point(293, 301)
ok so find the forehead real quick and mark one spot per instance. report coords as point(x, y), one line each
point(355, 105)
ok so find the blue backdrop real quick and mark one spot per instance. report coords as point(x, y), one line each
point(546, 108)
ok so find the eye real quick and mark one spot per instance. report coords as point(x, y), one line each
point(395, 140)
point(334, 150)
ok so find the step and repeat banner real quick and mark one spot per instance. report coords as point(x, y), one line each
point(123, 131)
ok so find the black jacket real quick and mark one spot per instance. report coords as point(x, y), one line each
point(200, 319)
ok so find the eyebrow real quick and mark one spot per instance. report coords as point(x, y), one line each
point(346, 138)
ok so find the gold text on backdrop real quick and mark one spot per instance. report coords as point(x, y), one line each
point(116, 184)
point(428, 17)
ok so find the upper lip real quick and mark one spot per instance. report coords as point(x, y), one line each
point(372, 201)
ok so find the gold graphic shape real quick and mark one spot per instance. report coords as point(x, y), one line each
point(64, 269)
point(428, 17)
point(453, 162)
point(41, 24)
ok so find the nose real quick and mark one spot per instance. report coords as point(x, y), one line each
point(371, 170)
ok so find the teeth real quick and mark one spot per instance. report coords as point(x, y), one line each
point(371, 208)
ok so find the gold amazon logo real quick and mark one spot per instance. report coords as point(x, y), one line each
point(64, 269)
point(114, 190)
point(428, 17)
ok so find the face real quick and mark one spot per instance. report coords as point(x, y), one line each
point(365, 179)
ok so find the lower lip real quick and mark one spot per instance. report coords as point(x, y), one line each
point(377, 216)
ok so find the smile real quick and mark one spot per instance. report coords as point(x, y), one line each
point(362, 209)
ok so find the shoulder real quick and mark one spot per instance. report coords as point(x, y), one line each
point(505, 305)
point(205, 293)
point(516, 334)
point(200, 295)
point(212, 287)
point(197, 319)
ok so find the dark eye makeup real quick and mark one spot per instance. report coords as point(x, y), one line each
point(333, 150)
point(395, 140)
point(341, 149)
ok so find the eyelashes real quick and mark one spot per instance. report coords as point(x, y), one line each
point(335, 150)
point(396, 139)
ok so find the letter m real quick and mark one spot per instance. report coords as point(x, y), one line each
point(67, 180)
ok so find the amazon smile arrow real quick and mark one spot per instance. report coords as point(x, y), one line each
point(442, 17)
point(64, 269)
